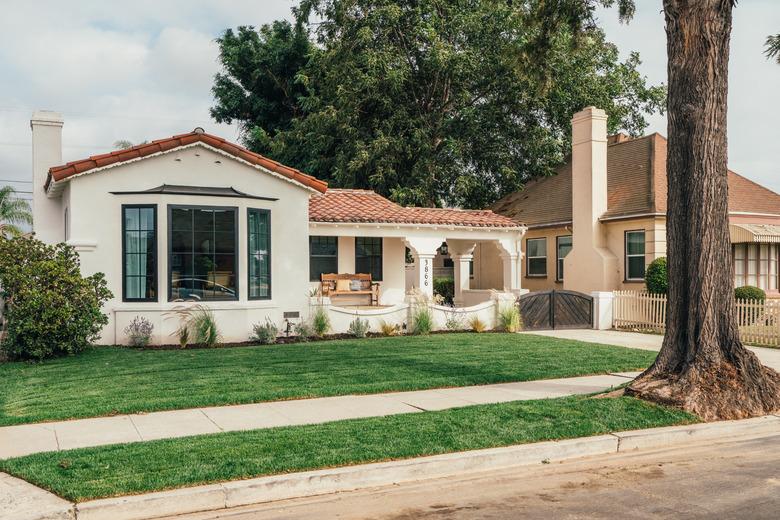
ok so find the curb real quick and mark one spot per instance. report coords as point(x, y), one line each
point(320, 482)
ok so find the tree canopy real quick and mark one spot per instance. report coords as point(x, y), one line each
point(427, 102)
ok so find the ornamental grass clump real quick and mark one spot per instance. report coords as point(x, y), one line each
point(197, 324)
point(509, 319)
point(320, 321)
point(139, 332)
point(358, 328)
point(265, 333)
point(476, 324)
point(389, 329)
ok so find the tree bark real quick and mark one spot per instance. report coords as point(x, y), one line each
point(702, 367)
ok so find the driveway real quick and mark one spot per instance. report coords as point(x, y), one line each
point(768, 356)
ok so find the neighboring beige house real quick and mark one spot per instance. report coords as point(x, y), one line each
point(597, 223)
point(194, 216)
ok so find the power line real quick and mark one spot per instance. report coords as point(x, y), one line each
point(11, 180)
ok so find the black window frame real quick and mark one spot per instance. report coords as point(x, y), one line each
point(381, 257)
point(626, 277)
point(170, 209)
point(528, 258)
point(155, 255)
point(312, 278)
point(558, 257)
point(249, 256)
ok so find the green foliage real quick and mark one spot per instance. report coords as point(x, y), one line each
point(476, 324)
point(320, 321)
point(304, 330)
point(139, 332)
point(51, 310)
point(748, 292)
point(656, 276)
point(358, 328)
point(772, 47)
point(509, 319)
point(13, 211)
point(204, 328)
point(426, 102)
point(444, 287)
point(421, 322)
point(265, 333)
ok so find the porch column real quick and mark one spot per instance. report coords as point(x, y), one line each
point(424, 250)
point(462, 254)
point(509, 254)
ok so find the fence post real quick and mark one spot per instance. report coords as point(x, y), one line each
point(603, 309)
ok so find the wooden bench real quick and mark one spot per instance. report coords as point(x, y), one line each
point(329, 284)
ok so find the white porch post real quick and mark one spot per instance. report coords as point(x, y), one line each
point(509, 253)
point(424, 251)
point(462, 254)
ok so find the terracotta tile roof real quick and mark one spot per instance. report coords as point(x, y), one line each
point(59, 173)
point(636, 183)
point(337, 205)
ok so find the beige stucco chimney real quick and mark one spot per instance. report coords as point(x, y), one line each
point(590, 265)
point(46, 152)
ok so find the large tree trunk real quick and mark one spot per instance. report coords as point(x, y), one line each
point(702, 366)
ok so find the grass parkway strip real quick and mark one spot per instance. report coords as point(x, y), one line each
point(111, 380)
point(92, 473)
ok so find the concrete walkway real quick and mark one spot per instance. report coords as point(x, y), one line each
point(768, 356)
point(21, 440)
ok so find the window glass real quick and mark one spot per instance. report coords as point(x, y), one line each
point(323, 256)
point(564, 246)
point(140, 253)
point(536, 257)
point(202, 262)
point(259, 247)
point(368, 257)
point(635, 255)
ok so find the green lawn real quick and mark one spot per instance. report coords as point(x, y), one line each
point(143, 467)
point(109, 380)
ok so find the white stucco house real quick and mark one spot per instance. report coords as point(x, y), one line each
point(196, 217)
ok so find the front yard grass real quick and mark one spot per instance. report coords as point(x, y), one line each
point(112, 380)
point(91, 473)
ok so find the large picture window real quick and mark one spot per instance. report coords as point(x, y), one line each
point(757, 265)
point(536, 257)
point(139, 251)
point(259, 248)
point(368, 256)
point(562, 246)
point(323, 256)
point(635, 255)
point(202, 261)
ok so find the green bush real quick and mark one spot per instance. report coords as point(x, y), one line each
point(444, 287)
point(358, 328)
point(656, 276)
point(422, 320)
point(51, 310)
point(320, 321)
point(749, 292)
point(509, 319)
point(304, 330)
point(204, 328)
point(265, 333)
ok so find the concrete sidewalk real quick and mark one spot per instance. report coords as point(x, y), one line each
point(25, 439)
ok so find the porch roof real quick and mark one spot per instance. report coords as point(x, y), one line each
point(765, 233)
point(366, 206)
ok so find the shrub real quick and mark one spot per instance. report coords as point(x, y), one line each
point(476, 324)
point(444, 287)
point(320, 321)
point(139, 332)
point(265, 333)
point(422, 320)
point(204, 328)
point(656, 277)
point(50, 308)
point(358, 328)
point(304, 330)
point(389, 329)
point(749, 292)
point(509, 319)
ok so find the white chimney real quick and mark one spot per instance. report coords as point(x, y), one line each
point(590, 265)
point(46, 128)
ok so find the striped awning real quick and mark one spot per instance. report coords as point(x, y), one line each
point(764, 233)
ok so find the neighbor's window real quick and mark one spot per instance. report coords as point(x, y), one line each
point(635, 255)
point(203, 260)
point(323, 256)
point(562, 246)
point(368, 256)
point(259, 238)
point(139, 249)
point(536, 257)
point(757, 265)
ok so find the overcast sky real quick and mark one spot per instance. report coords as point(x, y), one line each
point(144, 71)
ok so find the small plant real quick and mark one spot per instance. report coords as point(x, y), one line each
point(204, 328)
point(509, 319)
point(358, 328)
point(476, 324)
point(749, 292)
point(389, 329)
point(656, 277)
point(265, 333)
point(453, 320)
point(139, 332)
point(422, 321)
point(304, 330)
point(320, 321)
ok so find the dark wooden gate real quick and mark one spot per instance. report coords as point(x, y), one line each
point(556, 310)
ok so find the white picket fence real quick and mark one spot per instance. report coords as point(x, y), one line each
point(759, 322)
